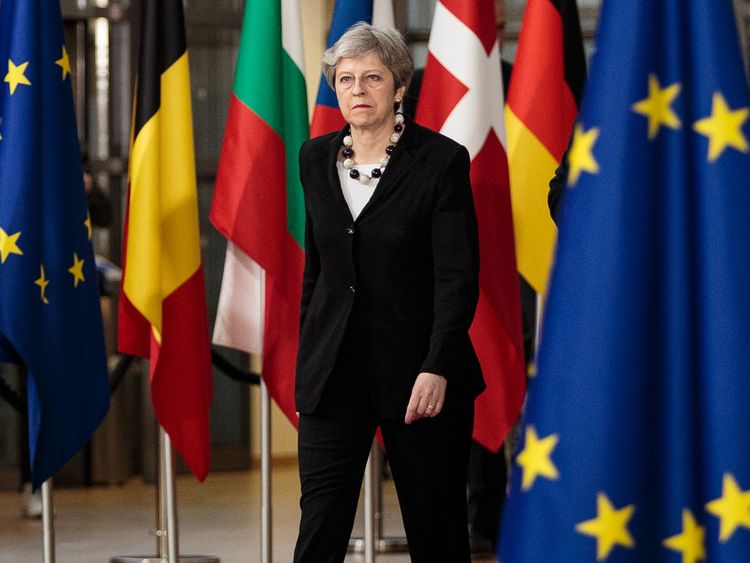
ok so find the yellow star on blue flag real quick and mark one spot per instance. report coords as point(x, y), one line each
point(64, 63)
point(723, 127)
point(9, 245)
point(657, 107)
point(609, 528)
point(16, 75)
point(42, 282)
point(49, 321)
point(690, 542)
point(581, 157)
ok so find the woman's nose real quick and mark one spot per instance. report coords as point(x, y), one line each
point(358, 87)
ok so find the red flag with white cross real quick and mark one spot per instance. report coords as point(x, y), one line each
point(462, 97)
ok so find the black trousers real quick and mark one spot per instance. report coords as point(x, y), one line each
point(428, 461)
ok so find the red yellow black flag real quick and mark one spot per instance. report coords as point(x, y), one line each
point(542, 106)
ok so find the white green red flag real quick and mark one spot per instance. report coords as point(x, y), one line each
point(462, 97)
point(258, 203)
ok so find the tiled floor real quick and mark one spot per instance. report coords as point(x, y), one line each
point(220, 517)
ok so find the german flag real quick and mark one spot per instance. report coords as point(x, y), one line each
point(542, 105)
point(163, 304)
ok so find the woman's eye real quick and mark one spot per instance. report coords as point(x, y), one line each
point(345, 79)
point(374, 77)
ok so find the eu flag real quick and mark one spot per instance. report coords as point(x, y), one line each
point(635, 440)
point(50, 318)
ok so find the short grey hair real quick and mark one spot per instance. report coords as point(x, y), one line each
point(362, 39)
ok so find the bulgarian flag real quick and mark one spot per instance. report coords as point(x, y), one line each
point(163, 302)
point(258, 202)
point(327, 116)
point(462, 97)
point(543, 101)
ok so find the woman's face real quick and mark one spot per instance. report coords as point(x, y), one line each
point(365, 91)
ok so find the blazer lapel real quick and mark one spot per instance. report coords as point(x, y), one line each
point(398, 165)
point(333, 175)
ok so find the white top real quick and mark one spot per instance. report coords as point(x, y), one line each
point(356, 193)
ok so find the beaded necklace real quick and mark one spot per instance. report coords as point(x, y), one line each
point(348, 153)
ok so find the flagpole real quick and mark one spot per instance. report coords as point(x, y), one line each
point(538, 327)
point(370, 508)
point(48, 525)
point(266, 540)
point(167, 545)
point(380, 544)
point(168, 540)
point(167, 531)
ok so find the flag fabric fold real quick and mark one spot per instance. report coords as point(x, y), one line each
point(50, 318)
point(542, 105)
point(327, 116)
point(462, 98)
point(258, 202)
point(163, 305)
point(633, 440)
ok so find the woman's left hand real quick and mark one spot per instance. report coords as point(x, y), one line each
point(427, 397)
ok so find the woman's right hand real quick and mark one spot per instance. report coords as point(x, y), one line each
point(427, 397)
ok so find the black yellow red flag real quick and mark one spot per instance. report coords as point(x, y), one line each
point(163, 307)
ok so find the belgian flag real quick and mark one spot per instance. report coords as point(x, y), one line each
point(542, 105)
point(163, 304)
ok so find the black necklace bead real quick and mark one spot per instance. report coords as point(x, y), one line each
point(377, 172)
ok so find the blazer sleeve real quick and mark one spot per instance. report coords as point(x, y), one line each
point(557, 187)
point(312, 259)
point(312, 269)
point(455, 248)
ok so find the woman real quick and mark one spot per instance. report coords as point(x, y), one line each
point(389, 292)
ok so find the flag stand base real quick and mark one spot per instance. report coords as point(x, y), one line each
point(166, 515)
point(374, 514)
point(383, 545)
point(155, 559)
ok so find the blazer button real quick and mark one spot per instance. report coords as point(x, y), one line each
point(350, 230)
point(352, 289)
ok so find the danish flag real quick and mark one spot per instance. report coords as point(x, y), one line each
point(462, 98)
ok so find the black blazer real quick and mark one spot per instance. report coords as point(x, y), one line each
point(408, 266)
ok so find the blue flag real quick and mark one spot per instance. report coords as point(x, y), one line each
point(345, 14)
point(634, 445)
point(50, 319)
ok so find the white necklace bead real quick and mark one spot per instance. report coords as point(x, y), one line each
point(377, 172)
